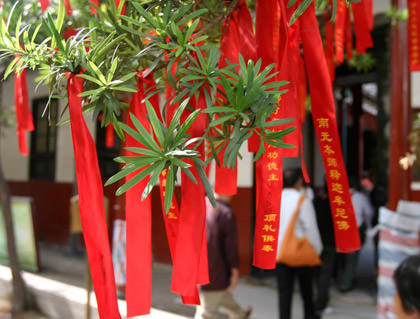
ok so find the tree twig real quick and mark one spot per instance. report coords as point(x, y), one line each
point(210, 25)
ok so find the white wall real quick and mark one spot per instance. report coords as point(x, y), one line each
point(15, 165)
point(381, 6)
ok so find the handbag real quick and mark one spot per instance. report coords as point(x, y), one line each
point(297, 252)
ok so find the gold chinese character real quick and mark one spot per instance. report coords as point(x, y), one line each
point(164, 172)
point(325, 137)
point(268, 238)
point(334, 174)
point(331, 162)
point(172, 206)
point(323, 122)
point(270, 217)
point(338, 200)
point(341, 213)
point(342, 225)
point(272, 166)
point(164, 182)
point(267, 227)
point(337, 187)
point(328, 150)
point(171, 215)
point(267, 248)
point(276, 111)
point(272, 155)
point(272, 177)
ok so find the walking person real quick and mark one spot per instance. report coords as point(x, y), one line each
point(223, 260)
point(364, 212)
point(297, 220)
point(328, 255)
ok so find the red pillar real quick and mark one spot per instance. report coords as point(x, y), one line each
point(399, 179)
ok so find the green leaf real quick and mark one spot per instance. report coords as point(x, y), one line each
point(191, 16)
point(291, 3)
point(56, 35)
point(220, 120)
point(185, 126)
point(136, 179)
point(98, 73)
point(144, 151)
point(205, 182)
point(261, 151)
point(300, 10)
point(140, 137)
point(169, 191)
point(219, 109)
point(145, 15)
point(279, 122)
point(156, 125)
point(153, 180)
point(61, 15)
point(90, 78)
point(281, 132)
point(124, 89)
point(128, 169)
point(111, 71)
point(147, 136)
point(190, 175)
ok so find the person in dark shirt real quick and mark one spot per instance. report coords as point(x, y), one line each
point(328, 255)
point(222, 245)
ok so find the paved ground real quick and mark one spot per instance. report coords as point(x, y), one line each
point(261, 294)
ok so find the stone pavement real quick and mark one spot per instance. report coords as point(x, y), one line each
point(60, 290)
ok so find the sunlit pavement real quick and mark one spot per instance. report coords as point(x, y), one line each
point(60, 291)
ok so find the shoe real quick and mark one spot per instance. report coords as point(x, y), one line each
point(248, 313)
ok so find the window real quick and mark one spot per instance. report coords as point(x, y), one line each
point(43, 140)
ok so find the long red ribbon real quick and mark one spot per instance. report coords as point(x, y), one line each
point(69, 10)
point(414, 34)
point(24, 121)
point(329, 49)
point(91, 203)
point(349, 37)
point(44, 4)
point(188, 272)
point(171, 220)
point(340, 31)
point(323, 112)
point(361, 26)
point(139, 225)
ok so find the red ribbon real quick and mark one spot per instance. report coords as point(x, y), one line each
point(329, 49)
point(69, 10)
point(171, 220)
point(92, 8)
point(238, 37)
point(349, 37)
point(91, 204)
point(340, 21)
point(414, 35)
point(269, 180)
point(109, 136)
point(24, 121)
point(323, 112)
point(139, 219)
point(117, 4)
point(361, 26)
point(188, 272)
point(44, 4)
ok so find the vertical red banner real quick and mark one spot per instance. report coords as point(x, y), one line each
point(24, 121)
point(339, 32)
point(139, 225)
point(269, 180)
point(323, 113)
point(361, 26)
point(329, 49)
point(44, 4)
point(91, 205)
point(414, 34)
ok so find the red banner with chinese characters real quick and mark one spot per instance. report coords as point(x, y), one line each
point(91, 205)
point(323, 113)
point(24, 120)
point(139, 221)
point(414, 34)
point(171, 220)
point(269, 180)
point(339, 31)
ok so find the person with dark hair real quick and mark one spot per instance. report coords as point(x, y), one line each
point(223, 259)
point(407, 282)
point(306, 225)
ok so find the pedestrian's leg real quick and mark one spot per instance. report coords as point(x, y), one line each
point(232, 307)
point(305, 277)
point(285, 280)
point(324, 278)
point(210, 301)
point(349, 271)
